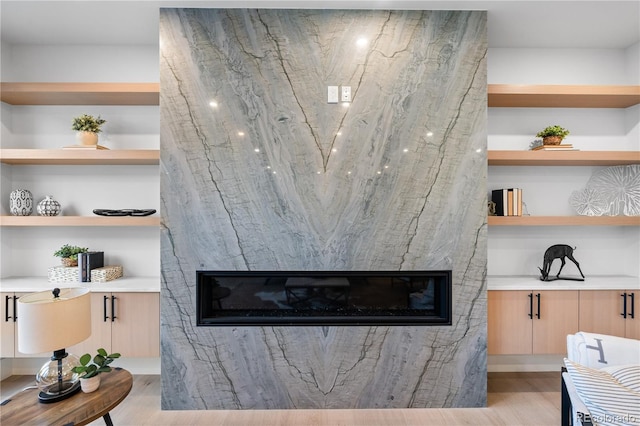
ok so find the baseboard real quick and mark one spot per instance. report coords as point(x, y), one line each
point(522, 363)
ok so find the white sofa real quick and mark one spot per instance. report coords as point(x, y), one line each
point(601, 380)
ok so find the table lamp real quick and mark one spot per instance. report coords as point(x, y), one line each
point(52, 321)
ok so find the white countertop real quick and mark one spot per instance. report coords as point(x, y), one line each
point(532, 282)
point(122, 285)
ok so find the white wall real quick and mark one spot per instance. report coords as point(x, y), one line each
point(563, 66)
point(80, 63)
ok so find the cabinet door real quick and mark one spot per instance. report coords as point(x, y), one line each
point(555, 316)
point(7, 329)
point(509, 327)
point(600, 312)
point(632, 325)
point(100, 326)
point(136, 329)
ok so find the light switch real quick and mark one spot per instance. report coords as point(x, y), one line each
point(346, 94)
point(332, 94)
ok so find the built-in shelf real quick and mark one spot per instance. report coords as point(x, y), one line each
point(499, 95)
point(562, 158)
point(80, 93)
point(562, 96)
point(97, 221)
point(563, 221)
point(81, 156)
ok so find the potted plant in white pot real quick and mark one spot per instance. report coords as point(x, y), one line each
point(90, 371)
point(88, 128)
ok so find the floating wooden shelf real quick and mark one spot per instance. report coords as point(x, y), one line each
point(80, 156)
point(97, 221)
point(562, 96)
point(562, 158)
point(80, 93)
point(564, 220)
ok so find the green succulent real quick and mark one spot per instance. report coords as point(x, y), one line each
point(553, 131)
point(87, 123)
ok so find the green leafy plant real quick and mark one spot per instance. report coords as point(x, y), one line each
point(67, 251)
point(87, 123)
point(553, 131)
point(100, 364)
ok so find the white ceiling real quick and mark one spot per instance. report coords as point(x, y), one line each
point(518, 24)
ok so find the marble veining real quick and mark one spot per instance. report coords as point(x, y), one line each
point(259, 172)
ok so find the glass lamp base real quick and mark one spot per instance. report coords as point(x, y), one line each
point(56, 379)
point(53, 393)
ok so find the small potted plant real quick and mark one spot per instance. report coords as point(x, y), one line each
point(69, 254)
point(90, 371)
point(88, 128)
point(553, 135)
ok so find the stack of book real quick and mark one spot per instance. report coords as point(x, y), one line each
point(561, 147)
point(88, 261)
point(508, 201)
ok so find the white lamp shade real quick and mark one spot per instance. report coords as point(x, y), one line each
point(47, 324)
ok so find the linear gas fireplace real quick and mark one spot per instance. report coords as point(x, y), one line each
point(323, 297)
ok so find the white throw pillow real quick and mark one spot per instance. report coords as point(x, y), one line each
point(601, 350)
point(609, 400)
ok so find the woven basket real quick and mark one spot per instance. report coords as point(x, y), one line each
point(552, 140)
point(67, 261)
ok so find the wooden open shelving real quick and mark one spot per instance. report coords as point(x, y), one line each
point(79, 221)
point(563, 221)
point(80, 93)
point(562, 96)
point(80, 156)
point(562, 158)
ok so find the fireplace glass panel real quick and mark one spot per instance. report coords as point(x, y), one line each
point(323, 297)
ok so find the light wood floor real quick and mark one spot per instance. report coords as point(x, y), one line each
point(513, 399)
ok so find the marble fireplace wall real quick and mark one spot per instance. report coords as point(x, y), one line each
point(259, 172)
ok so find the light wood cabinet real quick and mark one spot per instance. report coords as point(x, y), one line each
point(530, 322)
point(610, 312)
point(7, 329)
point(128, 323)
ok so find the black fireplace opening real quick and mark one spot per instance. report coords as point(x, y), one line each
point(323, 297)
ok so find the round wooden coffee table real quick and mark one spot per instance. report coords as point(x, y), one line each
point(80, 409)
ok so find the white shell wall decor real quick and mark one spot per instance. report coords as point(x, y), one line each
point(612, 191)
point(21, 202)
point(588, 202)
point(49, 207)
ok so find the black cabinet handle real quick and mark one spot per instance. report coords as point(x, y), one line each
point(530, 305)
point(6, 308)
point(104, 307)
point(538, 297)
point(633, 308)
point(624, 305)
point(113, 308)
